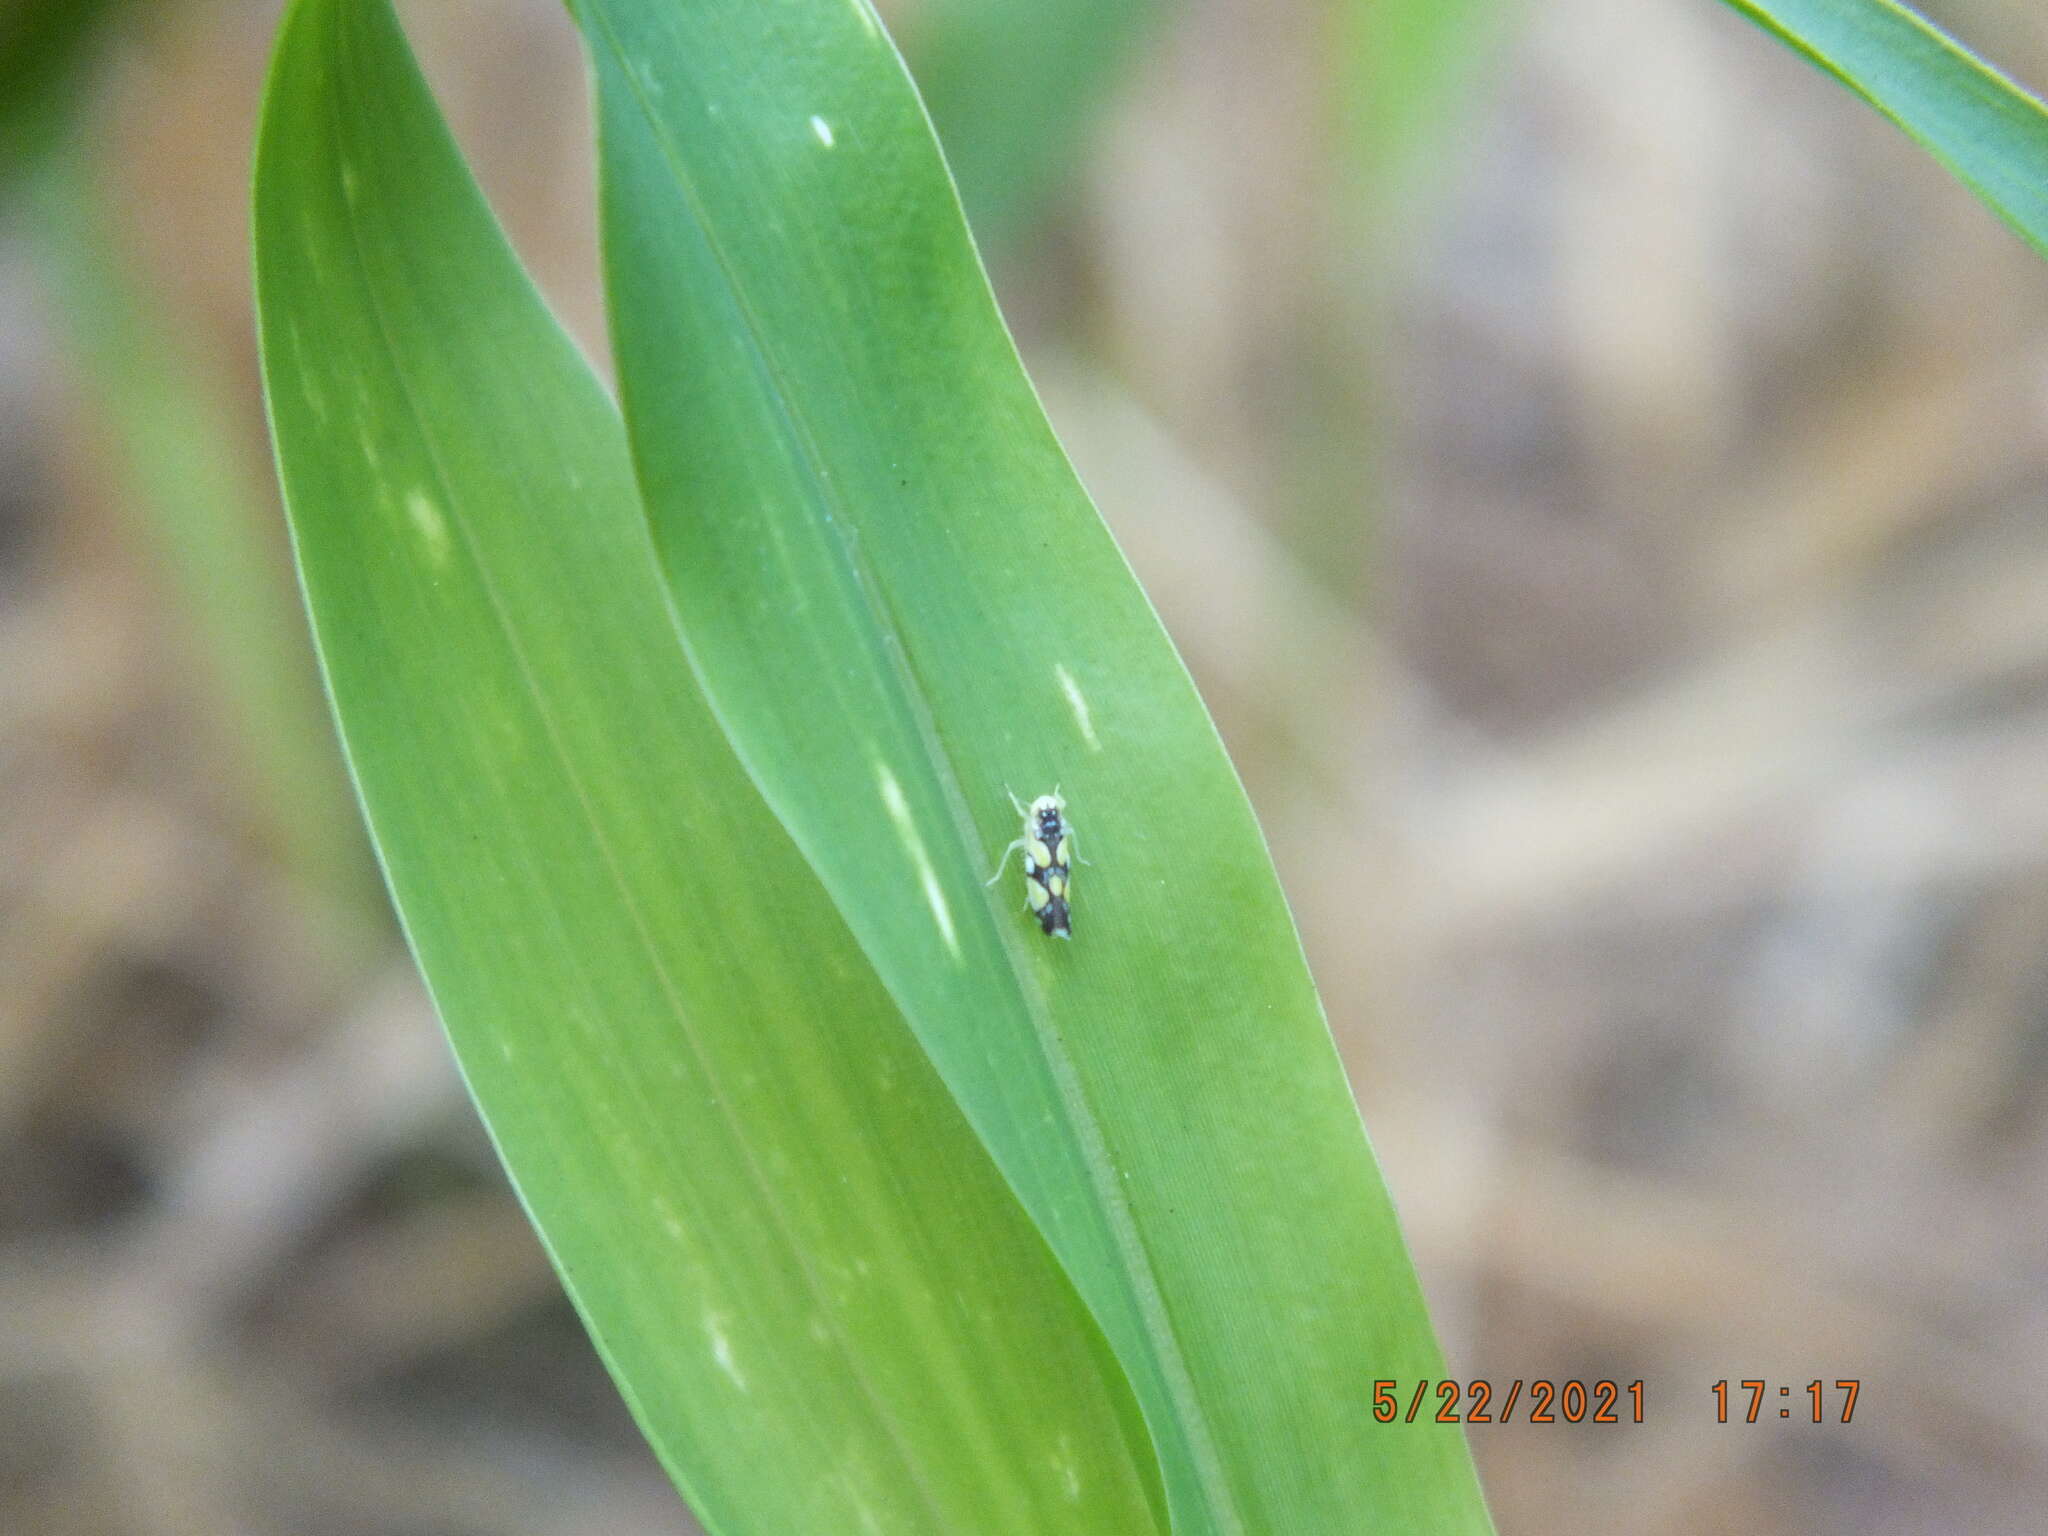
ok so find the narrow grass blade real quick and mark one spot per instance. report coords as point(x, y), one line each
point(1988, 131)
point(903, 606)
point(825, 1306)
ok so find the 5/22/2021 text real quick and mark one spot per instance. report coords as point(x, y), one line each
point(1480, 1401)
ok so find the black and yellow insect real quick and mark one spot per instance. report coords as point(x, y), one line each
point(1047, 847)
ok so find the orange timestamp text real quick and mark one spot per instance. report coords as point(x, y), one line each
point(1480, 1401)
point(1811, 1398)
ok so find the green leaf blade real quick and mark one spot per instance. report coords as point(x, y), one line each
point(820, 1298)
point(902, 604)
point(1988, 131)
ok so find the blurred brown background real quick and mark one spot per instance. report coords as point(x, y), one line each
point(1610, 533)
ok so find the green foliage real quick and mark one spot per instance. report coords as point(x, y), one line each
point(806, 1274)
point(902, 605)
point(1983, 127)
point(882, 1206)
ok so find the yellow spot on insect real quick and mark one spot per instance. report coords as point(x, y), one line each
point(1037, 895)
point(1055, 882)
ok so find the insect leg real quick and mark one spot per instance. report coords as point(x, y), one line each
point(1004, 862)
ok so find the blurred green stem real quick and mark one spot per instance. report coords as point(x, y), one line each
point(43, 48)
point(1400, 77)
point(175, 445)
point(1015, 89)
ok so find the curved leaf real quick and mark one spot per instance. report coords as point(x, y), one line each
point(901, 605)
point(1983, 127)
point(825, 1307)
